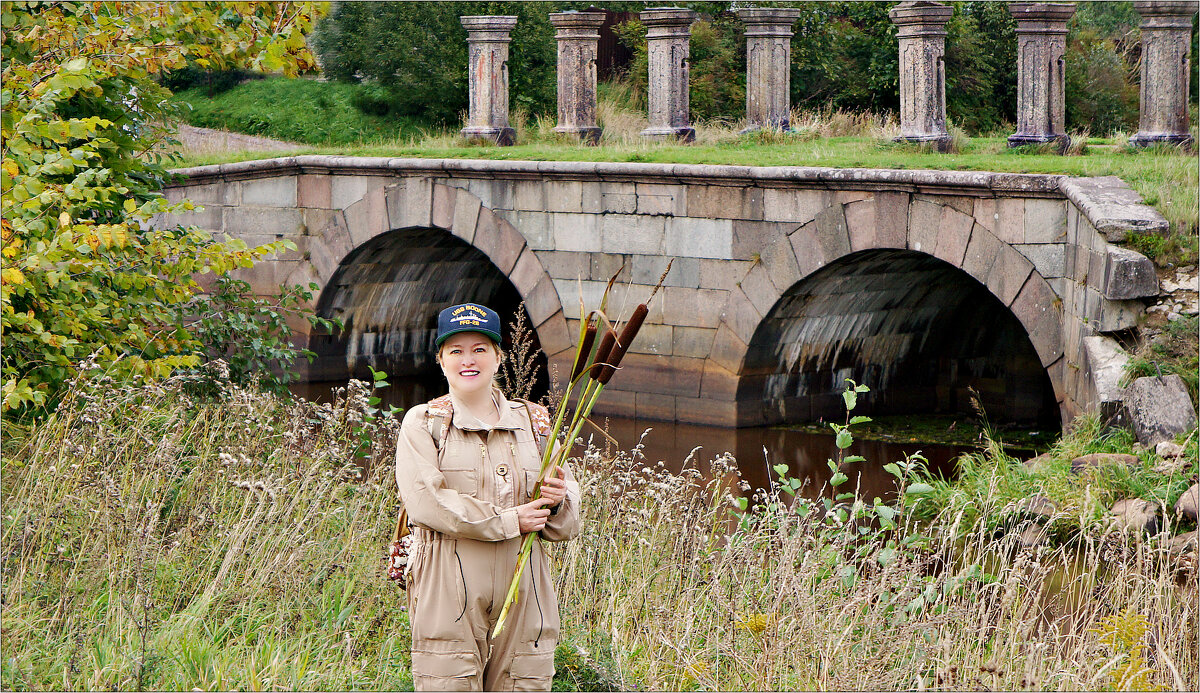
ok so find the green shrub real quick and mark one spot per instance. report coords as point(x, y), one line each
point(415, 55)
point(252, 334)
point(1101, 96)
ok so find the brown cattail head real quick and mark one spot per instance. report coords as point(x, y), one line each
point(627, 336)
point(585, 349)
point(602, 352)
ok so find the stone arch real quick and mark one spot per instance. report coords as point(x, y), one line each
point(436, 217)
point(853, 223)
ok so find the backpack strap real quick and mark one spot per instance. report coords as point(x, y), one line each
point(539, 423)
point(439, 414)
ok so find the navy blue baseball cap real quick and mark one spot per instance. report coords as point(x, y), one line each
point(468, 317)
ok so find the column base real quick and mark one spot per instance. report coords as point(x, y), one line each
point(505, 137)
point(938, 142)
point(684, 134)
point(1019, 140)
point(589, 135)
point(1148, 139)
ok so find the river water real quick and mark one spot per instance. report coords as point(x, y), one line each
point(757, 450)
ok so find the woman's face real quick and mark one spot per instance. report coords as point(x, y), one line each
point(469, 361)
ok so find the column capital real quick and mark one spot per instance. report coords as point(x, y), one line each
point(488, 28)
point(577, 20)
point(667, 21)
point(1166, 14)
point(768, 21)
point(914, 19)
point(1041, 17)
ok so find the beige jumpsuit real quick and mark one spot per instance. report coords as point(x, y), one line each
point(462, 507)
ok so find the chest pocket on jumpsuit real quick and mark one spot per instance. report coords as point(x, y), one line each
point(529, 461)
point(461, 463)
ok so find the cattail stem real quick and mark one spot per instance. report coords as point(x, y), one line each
point(601, 368)
point(585, 350)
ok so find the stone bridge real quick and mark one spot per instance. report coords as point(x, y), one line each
point(786, 280)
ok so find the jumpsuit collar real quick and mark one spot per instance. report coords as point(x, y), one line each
point(509, 418)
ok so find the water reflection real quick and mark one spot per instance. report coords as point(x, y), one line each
point(757, 450)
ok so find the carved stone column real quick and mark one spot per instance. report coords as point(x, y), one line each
point(487, 78)
point(1041, 72)
point(922, 35)
point(578, 35)
point(668, 31)
point(768, 66)
point(1166, 47)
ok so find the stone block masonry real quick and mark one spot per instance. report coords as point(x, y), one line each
point(750, 245)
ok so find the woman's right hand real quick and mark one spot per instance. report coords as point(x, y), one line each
point(532, 516)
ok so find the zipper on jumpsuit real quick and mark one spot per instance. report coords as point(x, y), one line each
point(461, 573)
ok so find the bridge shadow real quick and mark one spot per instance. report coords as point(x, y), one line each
point(388, 293)
point(920, 332)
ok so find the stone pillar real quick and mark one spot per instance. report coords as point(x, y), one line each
point(768, 66)
point(1041, 101)
point(668, 31)
point(487, 78)
point(578, 35)
point(922, 35)
point(1166, 47)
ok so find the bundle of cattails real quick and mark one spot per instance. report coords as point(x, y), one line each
point(594, 366)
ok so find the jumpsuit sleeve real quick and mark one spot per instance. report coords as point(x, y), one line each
point(430, 503)
point(566, 523)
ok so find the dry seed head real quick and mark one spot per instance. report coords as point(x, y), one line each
point(602, 352)
point(627, 336)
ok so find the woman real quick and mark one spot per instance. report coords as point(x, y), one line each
point(466, 465)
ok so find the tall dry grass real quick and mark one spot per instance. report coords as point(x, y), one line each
point(156, 541)
point(682, 597)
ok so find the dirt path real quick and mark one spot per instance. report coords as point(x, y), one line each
point(195, 140)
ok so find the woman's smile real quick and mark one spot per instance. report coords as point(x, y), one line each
point(469, 361)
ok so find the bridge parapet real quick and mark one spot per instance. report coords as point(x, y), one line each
point(746, 241)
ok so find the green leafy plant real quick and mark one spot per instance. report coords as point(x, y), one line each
point(253, 334)
point(86, 275)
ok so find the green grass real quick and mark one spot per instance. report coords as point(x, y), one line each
point(990, 485)
point(295, 110)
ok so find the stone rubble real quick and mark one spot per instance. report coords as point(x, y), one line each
point(1135, 514)
point(1099, 459)
point(1180, 297)
point(1186, 505)
point(1159, 408)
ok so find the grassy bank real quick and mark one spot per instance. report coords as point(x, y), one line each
point(154, 541)
point(294, 110)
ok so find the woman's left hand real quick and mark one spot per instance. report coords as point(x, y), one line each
point(554, 486)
